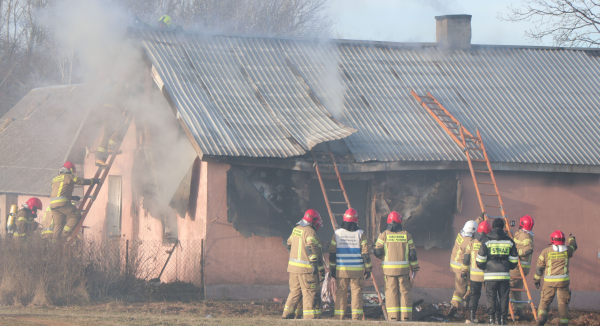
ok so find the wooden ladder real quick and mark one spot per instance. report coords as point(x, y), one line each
point(484, 180)
point(327, 158)
point(101, 173)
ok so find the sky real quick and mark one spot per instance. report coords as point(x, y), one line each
point(413, 20)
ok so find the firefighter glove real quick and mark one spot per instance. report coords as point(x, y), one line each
point(572, 242)
point(464, 276)
point(95, 181)
point(315, 269)
point(75, 198)
point(367, 275)
point(537, 284)
point(332, 271)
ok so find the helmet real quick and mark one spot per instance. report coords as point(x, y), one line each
point(394, 217)
point(469, 227)
point(69, 165)
point(484, 227)
point(557, 238)
point(165, 19)
point(312, 216)
point(34, 204)
point(351, 215)
point(526, 223)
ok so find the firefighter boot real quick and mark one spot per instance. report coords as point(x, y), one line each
point(492, 319)
point(452, 311)
point(542, 319)
point(501, 322)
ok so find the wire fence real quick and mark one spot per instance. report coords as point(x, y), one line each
point(151, 260)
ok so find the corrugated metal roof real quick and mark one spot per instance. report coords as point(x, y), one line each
point(33, 145)
point(239, 97)
point(532, 105)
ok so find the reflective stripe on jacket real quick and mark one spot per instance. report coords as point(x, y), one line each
point(397, 259)
point(555, 266)
point(458, 252)
point(349, 246)
point(305, 250)
point(497, 256)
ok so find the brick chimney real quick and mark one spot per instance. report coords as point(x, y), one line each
point(453, 32)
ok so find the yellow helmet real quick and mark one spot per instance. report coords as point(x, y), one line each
point(166, 20)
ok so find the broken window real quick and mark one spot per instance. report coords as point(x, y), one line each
point(265, 202)
point(427, 201)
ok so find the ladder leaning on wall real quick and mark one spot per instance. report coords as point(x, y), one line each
point(481, 171)
point(327, 158)
point(101, 173)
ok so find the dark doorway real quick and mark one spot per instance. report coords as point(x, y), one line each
point(357, 191)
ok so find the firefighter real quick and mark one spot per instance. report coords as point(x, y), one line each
point(47, 224)
point(305, 267)
point(64, 214)
point(553, 264)
point(524, 240)
point(469, 269)
point(496, 257)
point(164, 22)
point(398, 256)
point(113, 125)
point(25, 218)
point(463, 239)
point(350, 264)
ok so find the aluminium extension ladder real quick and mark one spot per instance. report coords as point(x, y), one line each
point(481, 171)
point(101, 173)
point(327, 158)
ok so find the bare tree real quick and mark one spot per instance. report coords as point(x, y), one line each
point(567, 22)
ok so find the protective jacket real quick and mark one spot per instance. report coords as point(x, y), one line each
point(524, 243)
point(469, 265)
point(62, 188)
point(25, 222)
point(351, 252)
point(458, 252)
point(399, 255)
point(553, 264)
point(305, 250)
point(497, 256)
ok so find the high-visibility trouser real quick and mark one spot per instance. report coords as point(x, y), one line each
point(65, 220)
point(517, 284)
point(563, 293)
point(398, 297)
point(341, 298)
point(110, 137)
point(460, 288)
point(304, 287)
point(47, 233)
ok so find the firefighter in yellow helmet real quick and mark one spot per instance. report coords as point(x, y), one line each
point(164, 22)
point(305, 267)
point(553, 265)
point(398, 256)
point(64, 214)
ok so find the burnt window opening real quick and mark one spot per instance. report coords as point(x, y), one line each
point(265, 202)
point(427, 201)
point(357, 191)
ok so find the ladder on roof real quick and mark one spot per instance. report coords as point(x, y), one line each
point(327, 158)
point(101, 173)
point(481, 171)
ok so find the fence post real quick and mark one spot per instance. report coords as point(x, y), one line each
point(127, 257)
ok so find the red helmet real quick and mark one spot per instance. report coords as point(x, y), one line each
point(34, 204)
point(69, 165)
point(484, 227)
point(312, 216)
point(557, 238)
point(526, 223)
point(351, 215)
point(394, 217)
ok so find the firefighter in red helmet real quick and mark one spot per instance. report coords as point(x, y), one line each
point(524, 242)
point(470, 271)
point(25, 218)
point(350, 263)
point(64, 214)
point(398, 256)
point(553, 265)
point(305, 267)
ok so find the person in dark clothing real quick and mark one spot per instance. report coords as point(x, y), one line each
point(496, 257)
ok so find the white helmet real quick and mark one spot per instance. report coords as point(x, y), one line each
point(469, 228)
